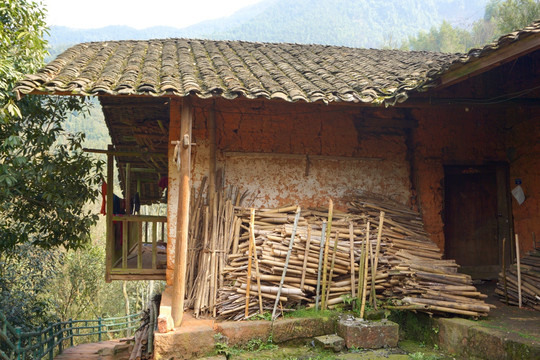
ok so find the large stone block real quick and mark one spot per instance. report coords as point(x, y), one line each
point(298, 328)
point(453, 334)
point(185, 343)
point(240, 332)
point(330, 342)
point(368, 334)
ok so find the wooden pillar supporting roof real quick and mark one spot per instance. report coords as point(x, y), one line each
point(180, 256)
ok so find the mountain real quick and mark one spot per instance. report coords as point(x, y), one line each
point(358, 23)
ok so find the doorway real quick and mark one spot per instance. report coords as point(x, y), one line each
point(477, 218)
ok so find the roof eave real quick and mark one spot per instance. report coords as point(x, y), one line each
point(460, 71)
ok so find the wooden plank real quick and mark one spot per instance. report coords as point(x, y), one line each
point(110, 151)
point(109, 252)
point(182, 224)
point(134, 271)
point(498, 57)
point(140, 218)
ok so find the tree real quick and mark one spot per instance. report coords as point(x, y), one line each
point(500, 17)
point(446, 38)
point(45, 177)
point(25, 273)
point(511, 15)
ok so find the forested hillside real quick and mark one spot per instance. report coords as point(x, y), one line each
point(359, 23)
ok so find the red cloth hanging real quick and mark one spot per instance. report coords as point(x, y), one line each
point(103, 198)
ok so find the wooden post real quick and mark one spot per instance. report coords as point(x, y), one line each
point(127, 193)
point(518, 263)
point(109, 253)
point(504, 271)
point(182, 224)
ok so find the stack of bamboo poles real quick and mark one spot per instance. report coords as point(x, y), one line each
point(211, 232)
point(418, 277)
point(529, 271)
point(242, 262)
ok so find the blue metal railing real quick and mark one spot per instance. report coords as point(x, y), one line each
point(34, 345)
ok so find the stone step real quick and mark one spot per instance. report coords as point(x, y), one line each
point(367, 334)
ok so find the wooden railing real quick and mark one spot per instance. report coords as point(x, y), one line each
point(136, 247)
point(48, 341)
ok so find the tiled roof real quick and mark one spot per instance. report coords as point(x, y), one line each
point(230, 69)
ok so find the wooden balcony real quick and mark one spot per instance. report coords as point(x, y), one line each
point(136, 250)
point(136, 247)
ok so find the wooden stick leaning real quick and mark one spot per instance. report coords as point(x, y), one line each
point(323, 236)
point(250, 251)
point(332, 267)
point(351, 249)
point(366, 261)
point(376, 260)
point(291, 242)
point(326, 249)
point(361, 274)
point(254, 244)
point(306, 253)
point(518, 270)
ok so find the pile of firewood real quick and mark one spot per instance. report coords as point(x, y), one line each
point(418, 277)
point(507, 287)
point(321, 257)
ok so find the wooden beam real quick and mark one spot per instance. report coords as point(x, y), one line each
point(111, 151)
point(182, 224)
point(498, 57)
point(109, 245)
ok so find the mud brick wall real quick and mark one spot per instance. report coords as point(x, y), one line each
point(523, 148)
point(285, 153)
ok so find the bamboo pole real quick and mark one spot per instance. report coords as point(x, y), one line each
point(308, 240)
point(376, 260)
point(332, 267)
point(366, 261)
point(351, 246)
point(257, 272)
point(291, 242)
point(323, 237)
point(248, 279)
point(518, 271)
point(326, 249)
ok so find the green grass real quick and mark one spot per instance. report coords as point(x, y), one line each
point(311, 313)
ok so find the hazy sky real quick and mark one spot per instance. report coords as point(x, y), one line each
point(137, 13)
